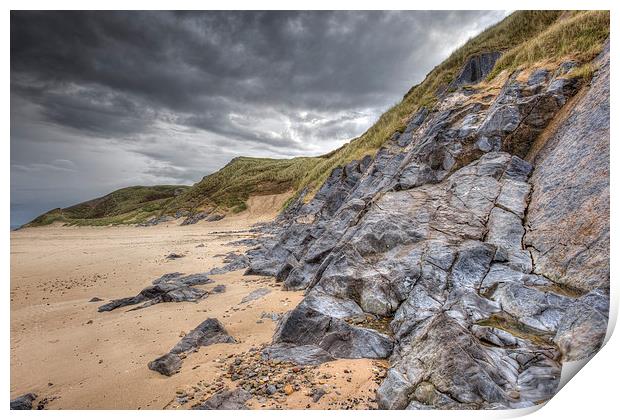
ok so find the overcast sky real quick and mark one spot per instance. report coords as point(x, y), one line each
point(104, 100)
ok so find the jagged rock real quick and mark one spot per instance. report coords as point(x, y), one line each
point(210, 331)
point(306, 326)
point(256, 294)
point(172, 287)
point(226, 400)
point(23, 402)
point(168, 364)
point(447, 231)
point(300, 355)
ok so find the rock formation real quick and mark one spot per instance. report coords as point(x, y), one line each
point(210, 331)
point(172, 287)
point(480, 235)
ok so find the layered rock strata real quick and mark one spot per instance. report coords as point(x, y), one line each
point(479, 235)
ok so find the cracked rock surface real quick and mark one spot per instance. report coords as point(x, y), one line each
point(478, 237)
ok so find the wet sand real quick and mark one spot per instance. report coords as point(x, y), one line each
point(62, 349)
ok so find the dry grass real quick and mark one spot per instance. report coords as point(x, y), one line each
point(577, 35)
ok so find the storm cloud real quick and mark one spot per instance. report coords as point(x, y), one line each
point(102, 100)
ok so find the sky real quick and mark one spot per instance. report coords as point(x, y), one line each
point(105, 100)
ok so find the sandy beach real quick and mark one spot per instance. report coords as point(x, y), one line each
point(74, 357)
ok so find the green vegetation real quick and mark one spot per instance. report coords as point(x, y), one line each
point(230, 187)
point(127, 205)
point(524, 38)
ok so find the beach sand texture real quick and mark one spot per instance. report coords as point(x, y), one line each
point(64, 350)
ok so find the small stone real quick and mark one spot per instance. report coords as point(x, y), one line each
point(288, 389)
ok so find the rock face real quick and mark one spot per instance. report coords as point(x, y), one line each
point(489, 270)
point(172, 287)
point(210, 331)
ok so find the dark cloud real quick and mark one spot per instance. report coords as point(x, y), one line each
point(180, 93)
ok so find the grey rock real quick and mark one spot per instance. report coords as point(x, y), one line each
point(194, 218)
point(226, 400)
point(210, 331)
point(304, 355)
point(23, 402)
point(317, 394)
point(168, 364)
point(233, 262)
point(306, 326)
point(393, 394)
point(214, 217)
point(172, 287)
point(568, 215)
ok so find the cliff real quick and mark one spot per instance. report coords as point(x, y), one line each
point(478, 237)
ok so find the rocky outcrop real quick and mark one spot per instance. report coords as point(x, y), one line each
point(172, 287)
point(450, 238)
point(210, 331)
